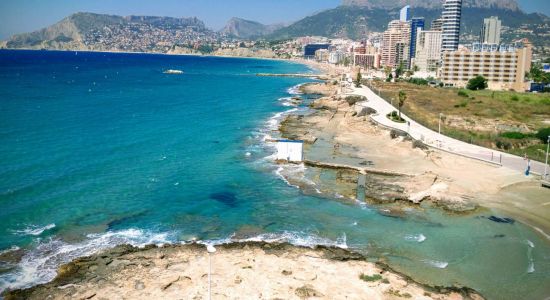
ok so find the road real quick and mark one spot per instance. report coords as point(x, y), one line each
point(442, 142)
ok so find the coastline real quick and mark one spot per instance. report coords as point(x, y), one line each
point(322, 106)
point(288, 272)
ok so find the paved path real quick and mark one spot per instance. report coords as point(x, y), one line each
point(434, 139)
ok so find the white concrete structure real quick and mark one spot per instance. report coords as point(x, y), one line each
point(428, 50)
point(490, 32)
point(405, 14)
point(291, 151)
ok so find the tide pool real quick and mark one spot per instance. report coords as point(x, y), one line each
point(100, 149)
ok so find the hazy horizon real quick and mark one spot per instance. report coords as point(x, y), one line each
point(28, 15)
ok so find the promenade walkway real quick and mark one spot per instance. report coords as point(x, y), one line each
point(442, 142)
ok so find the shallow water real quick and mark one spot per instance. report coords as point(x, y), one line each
point(100, 149)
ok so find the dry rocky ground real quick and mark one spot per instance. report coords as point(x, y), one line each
point(239, 271)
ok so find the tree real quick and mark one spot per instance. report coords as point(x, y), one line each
point(399, 71)
point(477, 83)
point(358, 82)
point(538, 75)
point(387, 70)
point(402, 98)
point(543, 134)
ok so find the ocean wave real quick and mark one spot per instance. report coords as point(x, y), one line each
point(11, 249)
point(34, 230)
point(295, 90)
point(39, 265)
point(415, 238)
point(287, 101)
point(302, 239)
point(436, 263)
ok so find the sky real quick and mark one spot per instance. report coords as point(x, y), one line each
point(18, 16)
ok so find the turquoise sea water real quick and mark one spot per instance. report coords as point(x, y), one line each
point(100, 149)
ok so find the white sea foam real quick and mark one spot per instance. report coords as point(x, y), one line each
point(287, 101)
point(34, 230)
point(295, 90)
point(531, 267)
point(303, 239)
point(416, 238)
point(39, 265)
point(531, 263)
point(437, 264)
point(12, 249)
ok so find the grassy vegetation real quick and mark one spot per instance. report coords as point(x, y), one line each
point(501, 120)
point(369, 278)
point(394, 116)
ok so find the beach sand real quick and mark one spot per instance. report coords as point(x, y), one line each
point(239, 271)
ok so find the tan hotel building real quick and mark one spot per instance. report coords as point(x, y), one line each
point(504, 70)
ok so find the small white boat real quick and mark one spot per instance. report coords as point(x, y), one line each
point(173, 72)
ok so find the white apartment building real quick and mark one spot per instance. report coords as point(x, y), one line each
point(428, 50)
point(504, 70)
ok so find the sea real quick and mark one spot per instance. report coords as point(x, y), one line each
point(102, 149)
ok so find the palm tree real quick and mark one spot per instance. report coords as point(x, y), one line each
point(402, 99)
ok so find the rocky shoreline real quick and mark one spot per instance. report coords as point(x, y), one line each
point(340, 135)
point(240, 270)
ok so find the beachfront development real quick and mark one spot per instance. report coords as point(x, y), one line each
point(383, 151)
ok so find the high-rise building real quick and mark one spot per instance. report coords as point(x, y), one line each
point(490, 32)
point(452, 13)
point(416, 25)
point(504, 69)
point(437, 24)
point(405, 14)
point(395, 44)
point(428, 50)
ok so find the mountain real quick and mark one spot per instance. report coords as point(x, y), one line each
point(247, 29)
point(88, 31)
point(365, 16)
point(432, 4)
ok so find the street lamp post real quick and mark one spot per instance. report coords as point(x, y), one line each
point(440, 116)
point(210, 250)
point(546, 165)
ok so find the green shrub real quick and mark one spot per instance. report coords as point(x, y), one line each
point(463, 93)
point(351, 100)
point(418, 81)
point(372, 278)
point(503, 145)
point(477, 83)
point(514, 135)
point(514, 98)
point(543, 134)
point(462, 104)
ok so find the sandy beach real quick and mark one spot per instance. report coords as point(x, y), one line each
point(239, 271)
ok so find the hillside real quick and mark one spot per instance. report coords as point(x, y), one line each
point(247, 29)
point(87, 31)
point(355, 21)
point(433, 4)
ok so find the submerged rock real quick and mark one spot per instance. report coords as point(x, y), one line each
point(227, 198)
point(501, 220)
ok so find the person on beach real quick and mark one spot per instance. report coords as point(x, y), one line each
point(528, 170)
